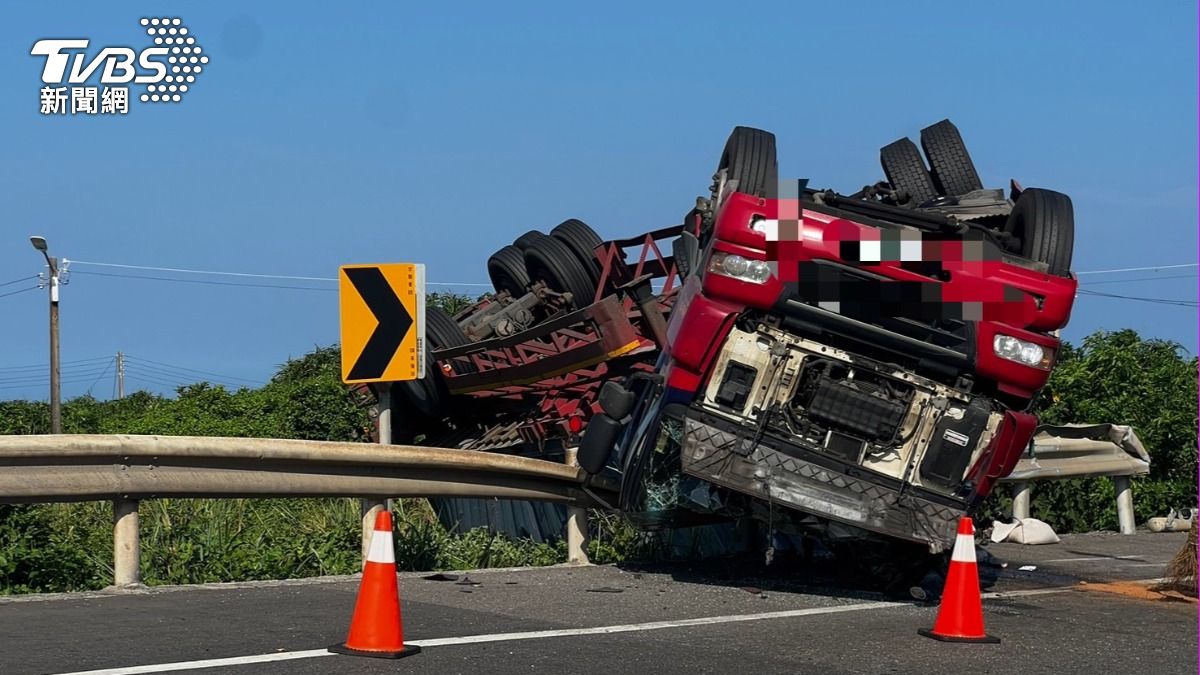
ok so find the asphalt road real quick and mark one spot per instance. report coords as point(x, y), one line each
point(734, 619)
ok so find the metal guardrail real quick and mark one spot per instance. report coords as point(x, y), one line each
point(1080, 451)
point(125, 469)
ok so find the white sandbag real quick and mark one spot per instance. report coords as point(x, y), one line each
point(1024, 531)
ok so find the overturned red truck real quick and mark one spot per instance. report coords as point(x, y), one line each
point(857, 367)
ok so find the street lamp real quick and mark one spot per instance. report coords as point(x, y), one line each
point(39, 243)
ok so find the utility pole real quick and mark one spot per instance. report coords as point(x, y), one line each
point(120, 375)
point(39, 243)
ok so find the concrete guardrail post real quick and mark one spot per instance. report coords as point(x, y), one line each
point(1125, 517)
point(1121, 485)
point(127, 549)
point(577, 522)
point(1020, 499)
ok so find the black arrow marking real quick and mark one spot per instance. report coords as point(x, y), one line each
point(394, 322)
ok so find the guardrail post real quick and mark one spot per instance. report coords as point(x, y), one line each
point(1020, 499)
point(127, 549)
point(577, 522)
point(372, 506)
point(1124, 504)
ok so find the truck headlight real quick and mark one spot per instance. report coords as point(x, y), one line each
point(738, 267)
point(1021, 351)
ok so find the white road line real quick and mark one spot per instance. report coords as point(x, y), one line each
point(1091, 559)
point(497, 637)
point(655, 625)
point(207, 663)
point(1000, 595)
point(565, 632)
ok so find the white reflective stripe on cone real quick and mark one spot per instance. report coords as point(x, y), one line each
point(381, 548)
point(964, 549)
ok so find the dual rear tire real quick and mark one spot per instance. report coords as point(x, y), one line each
point(565, 260)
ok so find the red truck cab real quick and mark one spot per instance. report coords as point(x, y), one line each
point(863, 362)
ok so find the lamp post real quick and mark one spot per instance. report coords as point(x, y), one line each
point(39, 243)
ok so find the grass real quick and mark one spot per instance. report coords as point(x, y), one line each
point(68, 547)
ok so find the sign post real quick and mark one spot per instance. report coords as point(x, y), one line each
point(371, 506)
point(382, 309)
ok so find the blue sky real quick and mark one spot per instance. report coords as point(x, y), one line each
point(323, 134)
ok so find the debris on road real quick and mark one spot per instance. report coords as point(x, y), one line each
point(1175, 521)
point(1182, 570)
point(440, 577)
point(1024, 531)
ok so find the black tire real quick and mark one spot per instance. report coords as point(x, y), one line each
point(506, 268)
point(950, 164)
point(551, 261)
point(905, 170)
point(526, 240)
point(582, 240)
point(429, 394)
point(1044, 222)
point(749, 158)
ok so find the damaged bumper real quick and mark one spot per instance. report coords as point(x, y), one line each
point(785, 473)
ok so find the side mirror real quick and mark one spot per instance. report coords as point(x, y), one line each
point(615, 400)
point(686, 251)
point(598, 442)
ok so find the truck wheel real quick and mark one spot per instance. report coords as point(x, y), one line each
point(905, 170)
point(582, 240)
point(429, 394)
point(749, 158)
point(526, 240)
point(1044, 222)
point(551, 261)
point(950, 164)
point(506, 268)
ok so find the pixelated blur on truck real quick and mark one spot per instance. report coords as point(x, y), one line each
point(856, 368)
point(844, 365)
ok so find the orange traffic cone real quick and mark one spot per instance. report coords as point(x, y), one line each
point(376, 629)
point(960, 616)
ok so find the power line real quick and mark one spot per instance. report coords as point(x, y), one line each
point(102, 372)
point(34, 385)
point(42, 377)
point(204, 281)
point(17, 281)
point(190, 271)
point(193, 370)
point(44, 366)
point(1140, 269)
point(1140, 279)
point(143, 376)
point(289, 277)
point(1161, 301)
point(178, 377)
point(148, 380)
point(23, 290)
point(151, 377)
